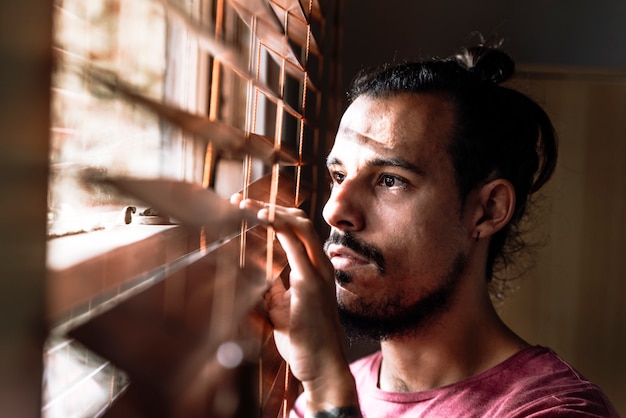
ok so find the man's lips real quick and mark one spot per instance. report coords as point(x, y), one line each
point(344, 258)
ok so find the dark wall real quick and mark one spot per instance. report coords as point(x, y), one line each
point(578, 33)
point(574, 299)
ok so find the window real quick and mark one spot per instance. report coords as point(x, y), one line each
point(200, 96)
point(92, 128)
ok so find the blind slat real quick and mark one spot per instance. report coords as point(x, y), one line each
point(189, 203)
point(294, 7)
point(230, 140)
point(269, 31)
point(227, 54)
point(285, 194)
point(300, 9)
point(316, 8)
point(297, 28)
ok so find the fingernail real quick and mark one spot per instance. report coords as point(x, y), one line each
point(263, 216)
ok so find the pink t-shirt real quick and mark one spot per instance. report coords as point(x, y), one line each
point(535, 382)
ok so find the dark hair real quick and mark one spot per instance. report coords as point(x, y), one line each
point(498, 133)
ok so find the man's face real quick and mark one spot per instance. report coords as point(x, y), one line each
point(398, 236)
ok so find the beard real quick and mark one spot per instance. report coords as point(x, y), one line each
point(385, 320)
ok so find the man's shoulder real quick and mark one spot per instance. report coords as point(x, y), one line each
point(540, 368)
point(534, 382)
point(538, 380)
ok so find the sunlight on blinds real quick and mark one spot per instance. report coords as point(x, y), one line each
point(185, 321)
point(88, 132)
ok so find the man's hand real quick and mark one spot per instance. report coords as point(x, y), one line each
point(305, 319)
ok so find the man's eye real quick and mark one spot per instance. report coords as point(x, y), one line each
point(391, 181)
point(337, 178)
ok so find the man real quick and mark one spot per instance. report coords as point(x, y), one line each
point(432, 168)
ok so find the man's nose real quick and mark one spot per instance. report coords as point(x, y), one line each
point(343, 210)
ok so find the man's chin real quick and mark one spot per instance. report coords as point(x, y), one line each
point(359, 327)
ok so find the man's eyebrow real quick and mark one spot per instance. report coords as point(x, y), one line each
point(383, 162)
point(333, 161)
point(396, 162)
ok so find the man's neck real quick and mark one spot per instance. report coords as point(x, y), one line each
point(451, 349)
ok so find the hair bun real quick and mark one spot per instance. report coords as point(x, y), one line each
point(489, 64)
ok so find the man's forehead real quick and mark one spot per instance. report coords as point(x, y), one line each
point(356, 137)
point(403, 114)
point(353, 147)
point(406, 125)
point(350, 143)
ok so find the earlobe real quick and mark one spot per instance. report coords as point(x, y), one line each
point(497, 204)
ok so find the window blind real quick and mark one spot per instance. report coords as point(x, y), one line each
point(181, 314)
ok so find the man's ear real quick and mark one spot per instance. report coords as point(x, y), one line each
point(496, 201)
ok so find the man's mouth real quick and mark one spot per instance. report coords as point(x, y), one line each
point(347, 252)
point(343, 258)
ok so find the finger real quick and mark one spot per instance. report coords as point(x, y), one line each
point(297, 256)
point(277, 299)
point(296, 234)
point(252, 205)
point(236, 199)
point(298, 237)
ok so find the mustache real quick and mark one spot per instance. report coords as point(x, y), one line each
point(348, 240)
